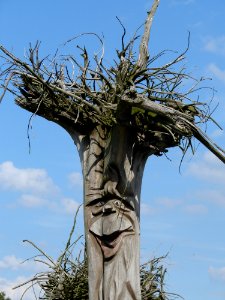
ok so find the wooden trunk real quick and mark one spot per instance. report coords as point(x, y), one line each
point(112, 169)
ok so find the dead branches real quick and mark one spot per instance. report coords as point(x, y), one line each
point(143, 49)
point(83, 93)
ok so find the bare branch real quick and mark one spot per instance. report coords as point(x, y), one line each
point(124, 33)
point(143, 49)
point(177, 118)
point(21, 63)
point(165, 111)
point(154, 100)
point(5, 86)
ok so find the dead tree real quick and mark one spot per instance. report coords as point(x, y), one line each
point(117, 116)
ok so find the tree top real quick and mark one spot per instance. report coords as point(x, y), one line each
point(80, 94)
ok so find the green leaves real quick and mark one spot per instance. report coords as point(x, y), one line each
point(136, 110)
point(3, 296)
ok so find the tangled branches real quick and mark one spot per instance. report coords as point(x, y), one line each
point(80, 95)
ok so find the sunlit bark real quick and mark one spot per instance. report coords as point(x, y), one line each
point(112, 168)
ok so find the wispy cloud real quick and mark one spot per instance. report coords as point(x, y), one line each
point(10, 262)
point(208, 259)
point(208, 168)
point(215, 196)
point(14, 263)
point(59, 205)
point(69, 205)
point(196, 209)
point(146, 209)
point(169, 203)
point(17, 265)
point(217, 273)
point(8, 285)
point(216, 71)
point(35, 180)
point(215, 44)
point(75, 179)
point(36, 186)
point(31, 201)
point(211, 171)
point(159, 205)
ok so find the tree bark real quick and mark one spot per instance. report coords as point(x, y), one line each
point(112, 169)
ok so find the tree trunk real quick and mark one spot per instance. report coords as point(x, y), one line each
point(112, 167)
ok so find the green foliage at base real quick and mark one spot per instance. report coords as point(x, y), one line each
point(152, 276)
point(68, 282)
point(3, 296)
point(67, 277)
point(73, 283)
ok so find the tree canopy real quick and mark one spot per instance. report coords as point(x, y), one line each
point(134, 91)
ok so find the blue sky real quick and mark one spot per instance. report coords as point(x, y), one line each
point(182, 213)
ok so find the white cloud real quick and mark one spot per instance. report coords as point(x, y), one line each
point(32, 201)
point(17, 264)
point(35, 180)
point(196, 209)
point(215, 44)
point(63, 205)
point(8, 285)
point(211, 171)
point(208, 168)
point(76, 179)
point(169, 203)
point(36, 185)
point(216, 71)
point(10, 262)
point(69, 205)
point(212, 159)
point(159, 205)
point(213, 196)
point(217, 273)
point(146, 209)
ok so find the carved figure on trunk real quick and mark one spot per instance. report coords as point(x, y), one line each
point(113, 220)
point(114, 227)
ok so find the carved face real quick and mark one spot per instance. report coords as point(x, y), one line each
point(112, 220)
